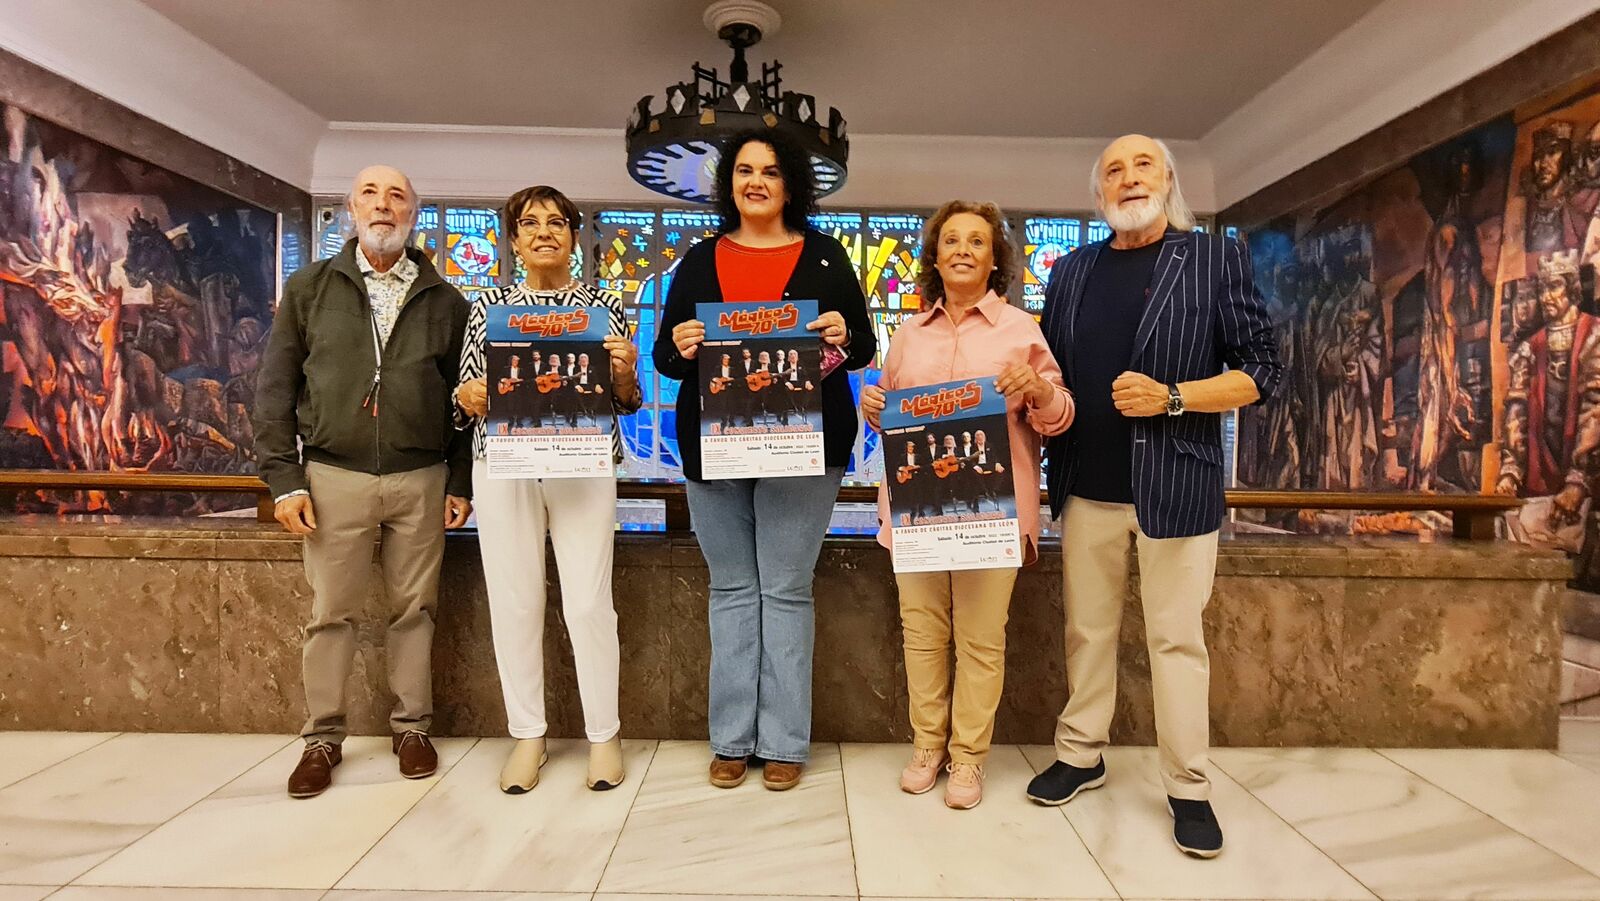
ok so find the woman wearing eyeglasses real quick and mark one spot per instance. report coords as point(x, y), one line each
point(578, 513)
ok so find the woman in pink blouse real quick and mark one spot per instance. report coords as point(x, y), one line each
point(970, 331)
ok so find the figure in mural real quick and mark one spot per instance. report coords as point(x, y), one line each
point(1344, 324)
point(134, 310)
point(1552, 408)
point(1453, 397)
point(1556, 220)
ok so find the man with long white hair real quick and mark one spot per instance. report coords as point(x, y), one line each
point(355, 439)
point(1159, 330)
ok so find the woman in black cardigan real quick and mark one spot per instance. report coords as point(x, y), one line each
point(761, 537)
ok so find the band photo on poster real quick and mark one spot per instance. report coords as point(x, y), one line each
point(549, 393)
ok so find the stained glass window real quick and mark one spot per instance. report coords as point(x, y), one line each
point(472, 247)
point(1098, 231)
point(1045, 239)
point(292, 252)
point(425, 237)
point(624, 255)
point(1231, 231)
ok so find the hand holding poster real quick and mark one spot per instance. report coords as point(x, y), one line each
point(549, 392)
point(947, 465)
point(760, 390)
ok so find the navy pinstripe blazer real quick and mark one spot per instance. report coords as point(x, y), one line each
point(1203, 313)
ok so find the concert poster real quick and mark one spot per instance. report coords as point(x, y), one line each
point(947, 465)
point(549, 392)
point(760, 390)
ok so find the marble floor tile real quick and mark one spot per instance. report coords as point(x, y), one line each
point(912, 845)
point(66, 818)
point(167, 893)
point(25, 892)
point(614, 896)
point(1580, 735)
point(24, 753)
point(307, 844)
point(398, 895)
point(1587, 761)
point(467, 834)
point(1402, 836)
point(1127, 828)
point(1541, 795)
point(685, 836)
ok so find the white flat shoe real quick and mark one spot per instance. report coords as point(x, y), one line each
point(521, 772)
point(605, 765)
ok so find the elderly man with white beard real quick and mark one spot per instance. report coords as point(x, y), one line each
point(1159, 330)
point(355, 438)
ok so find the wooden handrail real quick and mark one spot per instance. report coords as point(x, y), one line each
point(1473, 515)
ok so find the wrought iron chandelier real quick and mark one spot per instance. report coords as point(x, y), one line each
point(674, 151)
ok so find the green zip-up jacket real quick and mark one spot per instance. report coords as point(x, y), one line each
point(317, 378)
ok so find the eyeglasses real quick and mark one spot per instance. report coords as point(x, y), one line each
point(556, 225)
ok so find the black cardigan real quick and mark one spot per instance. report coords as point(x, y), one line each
point(824, 274)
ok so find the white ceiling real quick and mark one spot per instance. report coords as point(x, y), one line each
point(1064, 68)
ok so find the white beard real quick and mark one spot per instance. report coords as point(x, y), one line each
point(378, 242)
point(1135, 217)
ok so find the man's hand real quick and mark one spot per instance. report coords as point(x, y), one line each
point(456, 511)
point(472, 396)
point(687, 335)
point(1565, 508)
point(1507, 486)
point(831, 325)
point(296, 514)
point(1136, 394)
point(1024, 380)
point(872, 404)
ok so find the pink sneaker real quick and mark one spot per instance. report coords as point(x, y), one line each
point(923, 770)
point(965, 788)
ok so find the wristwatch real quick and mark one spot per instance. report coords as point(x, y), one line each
point(1174, 401)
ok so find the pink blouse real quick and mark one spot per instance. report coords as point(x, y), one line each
point(993, 336)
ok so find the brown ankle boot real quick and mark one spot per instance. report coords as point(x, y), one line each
point(729, 773)
point(779, 776)
point(314, 773)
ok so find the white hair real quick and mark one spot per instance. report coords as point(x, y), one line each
point(1179, 216)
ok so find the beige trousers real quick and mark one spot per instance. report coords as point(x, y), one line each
point(1175, 577)
point(403, 513)
point(968, 607)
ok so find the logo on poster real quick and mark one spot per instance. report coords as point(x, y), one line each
point(760, 322)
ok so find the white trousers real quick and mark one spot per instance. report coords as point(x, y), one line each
point(580, 516)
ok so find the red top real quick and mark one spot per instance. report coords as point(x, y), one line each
point(754, 273)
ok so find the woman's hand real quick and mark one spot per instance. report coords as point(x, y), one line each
point(872, 404)
point(472, 396)
point(624, 358)
point(687, 335)
point(831, 325)
point(1025, 381)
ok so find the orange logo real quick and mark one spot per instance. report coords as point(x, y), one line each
point(943, 402)
point(549, 325)
point(761, 321)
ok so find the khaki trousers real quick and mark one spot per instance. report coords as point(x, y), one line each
point(1175, 576)
point(970, 608)
point(404, 514)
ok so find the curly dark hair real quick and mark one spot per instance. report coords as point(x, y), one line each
point(793, 163)
point(1005, 252)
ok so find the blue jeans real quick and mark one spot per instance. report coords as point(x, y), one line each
point(761, 538)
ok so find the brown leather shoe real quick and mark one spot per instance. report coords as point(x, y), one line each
point(418, 759)
point(779, 776)
point(314, 773)
point(728, 773)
